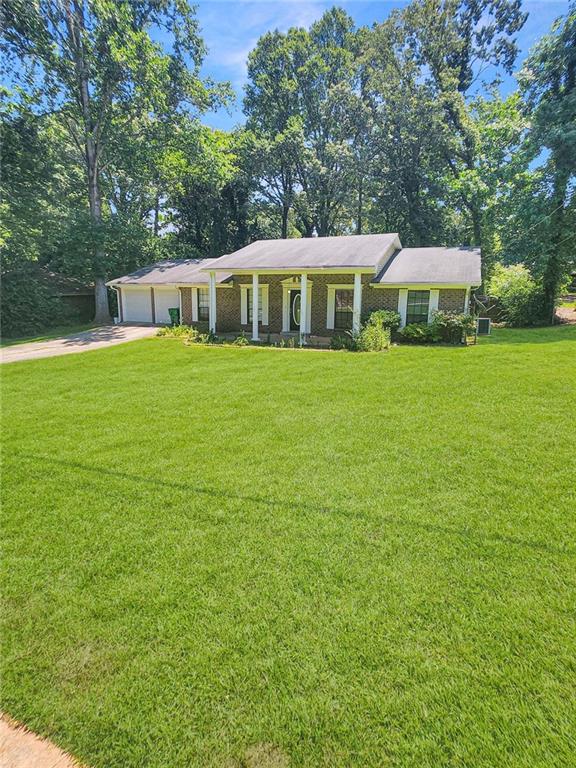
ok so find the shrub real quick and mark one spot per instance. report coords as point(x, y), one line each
point(342, 342)
point(241, 341)
point(386, 318)
point(452, 327)
point(520, 297)
point(373, 337)
point(203, 338)
point(189, 334)
point(178, 331)
point(29, 307)
point(420, 333)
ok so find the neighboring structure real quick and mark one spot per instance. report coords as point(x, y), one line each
point(310, 287)
point(77, 296)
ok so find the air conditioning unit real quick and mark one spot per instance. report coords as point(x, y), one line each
point(483, 326)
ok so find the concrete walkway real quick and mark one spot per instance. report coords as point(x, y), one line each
point(20, 748)
point(95, 338)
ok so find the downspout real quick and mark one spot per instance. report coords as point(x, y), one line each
point(118, 292)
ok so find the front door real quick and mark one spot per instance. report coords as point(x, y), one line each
point(295, 299)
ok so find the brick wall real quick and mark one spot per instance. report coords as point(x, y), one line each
point(186, 302)
point(228, 302)
point(452, 299)
point(228, 308)
point(372, 299)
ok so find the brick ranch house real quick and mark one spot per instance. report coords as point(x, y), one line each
point(311, 288)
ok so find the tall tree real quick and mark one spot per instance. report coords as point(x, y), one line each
point(271, 105)
point(100, 68)
point(548, 81)
point(409, 142)
point(300, 100)
point(456, 43)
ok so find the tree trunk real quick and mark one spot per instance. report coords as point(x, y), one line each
point(102, 308)
point(76, 30)
point(156, 213)
point(359, 211)
point(285, 212)
point(554, 269)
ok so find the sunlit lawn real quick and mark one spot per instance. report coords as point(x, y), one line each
point(247, 557)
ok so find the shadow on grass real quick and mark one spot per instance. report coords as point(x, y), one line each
point(464, 533)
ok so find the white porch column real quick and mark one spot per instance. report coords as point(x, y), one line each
point(212, 304)
point(303, 307)
point(357, 303)
point(255, 306)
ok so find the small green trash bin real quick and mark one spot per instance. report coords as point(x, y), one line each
point(174, 313)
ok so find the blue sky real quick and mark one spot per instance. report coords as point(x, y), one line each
point(231, 30)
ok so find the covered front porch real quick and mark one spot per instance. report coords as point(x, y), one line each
point(289, 310)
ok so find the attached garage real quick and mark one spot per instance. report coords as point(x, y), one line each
point(148, 294)
point(136, 304)
point(165, 299)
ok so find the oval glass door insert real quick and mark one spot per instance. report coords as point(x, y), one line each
point(296, 309)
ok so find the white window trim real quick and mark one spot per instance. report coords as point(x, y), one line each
point(331, 302)
point(244, 288)
point(196, 302)
point(433, 304)
point(403, 302)
point(293, 284)
point(402, 305)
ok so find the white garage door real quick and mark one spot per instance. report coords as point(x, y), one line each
point(164, 299)
point(137, 305)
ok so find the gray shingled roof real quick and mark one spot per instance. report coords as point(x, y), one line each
point(308, 253)
point(437, 265)
point(171, 272)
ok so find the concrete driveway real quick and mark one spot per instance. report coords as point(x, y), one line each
point(96, 338)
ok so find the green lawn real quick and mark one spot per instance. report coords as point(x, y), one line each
point(262, 558)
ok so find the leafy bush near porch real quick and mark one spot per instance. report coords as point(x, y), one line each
point(177, 331)
point(342, 341)
point(374, 335)
point(519, 295)
point(241, 341)
point(387, 318)
point(448, 327)
point(452, 327)
point(419, 333)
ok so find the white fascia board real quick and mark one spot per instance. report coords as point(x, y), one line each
point(420, 286)
point(204, 285)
